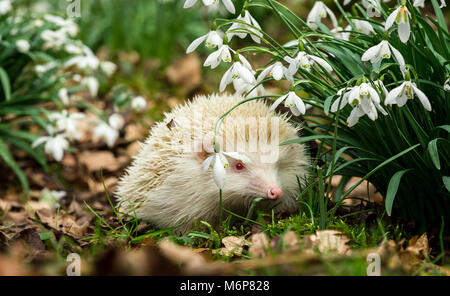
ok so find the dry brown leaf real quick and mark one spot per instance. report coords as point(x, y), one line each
point(185, 72)
point(291, 241)
point(94, 161)
point(97, 187)
point(64, 222)
point(259, 245)
point(365, 190)
point(233, 245)
point(329, 241)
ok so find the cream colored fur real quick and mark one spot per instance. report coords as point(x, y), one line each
point(166, 186)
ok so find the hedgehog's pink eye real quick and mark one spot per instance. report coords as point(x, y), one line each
point(239, 166)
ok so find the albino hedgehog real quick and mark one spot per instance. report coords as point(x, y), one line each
point(166, 185)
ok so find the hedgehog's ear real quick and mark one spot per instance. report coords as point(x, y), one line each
point(200, 152)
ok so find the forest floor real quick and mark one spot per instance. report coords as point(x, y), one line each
point(71, 210)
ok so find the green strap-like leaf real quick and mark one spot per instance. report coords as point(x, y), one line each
point(446, 180)
point(5, 84)
point(6, 155)
point(392, 190)
point(433, 151)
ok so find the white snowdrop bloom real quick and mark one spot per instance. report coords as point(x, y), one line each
point(54, 146)
point(116, 121)
point(405, 91)
point(242, 29)
point(447, 84)
point(443, 4)
point(212, 39)
point(317, 13)
point(249, 89)
point(227, 3)
point(219, 163)
point(138, 104)
point(342, 99)
point(305, 61)
point(419, 3)
point(63, 95)
point(109, 68)
point(107, 133)
point(277, 70)
point(23, 46)
point(53, 39)
point(5, 6)
point(84, 62)
point(38, 23)
point(401, 17)
point(67, 123)
point(67, 26)
point(355, 115)
point(92, 85)
point(363, 27)
point(292, 101)
point(73, 49)
point(365, 100)
point(383, 51)
point(239, 70)
point(221, 54)
point(51, 198)
point(41, 69)
point(380, 85)
point(338, 33)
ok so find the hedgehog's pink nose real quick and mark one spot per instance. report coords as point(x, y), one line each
point(274, 192)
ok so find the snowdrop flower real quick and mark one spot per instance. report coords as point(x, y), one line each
point(212, 39)
point(41, 69)
point(51, 198)
point(138, 104)
point(92, 85)
point(319, 11)
point(447, 84)
point(342, 99)
point(248, 89)
point(292, 101)
point(240, 69)
point(355, 115)
point(219, 163)
point(109, 68)
point(277, 70)
point(365, 100)
point(383, 51)
point(443, 4)
point(305, 61)
point(104, 131)
point(23, 46)
point(419, 3)
point(228, 4)
point(221, 54)
point(53, 39)
point(337, 32)
point(73, 49)
point(401, 17)
point(5, 6)
point(88, 61)
point(67, 26)
point(63, 95)
point(54, 146)
point(363, 27)
point(67, 123)
point(405, 91)
point(241, 29)
point(380, 85)
point(116, 121)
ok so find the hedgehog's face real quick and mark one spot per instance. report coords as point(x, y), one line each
point(271, 178)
